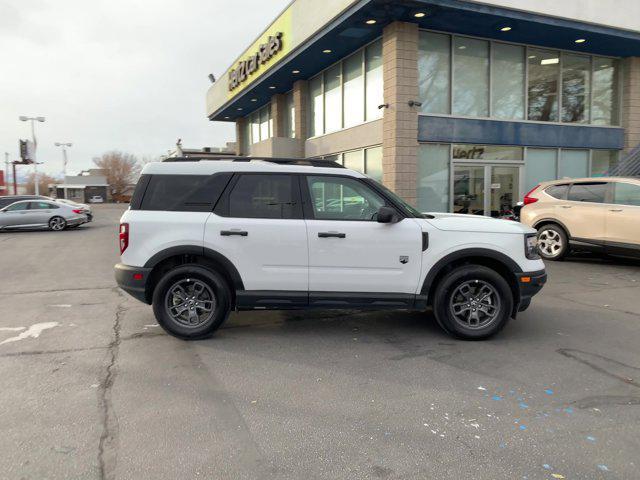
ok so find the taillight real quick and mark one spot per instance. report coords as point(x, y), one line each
point(77, 210)
point(528, 199)
point(124, 237)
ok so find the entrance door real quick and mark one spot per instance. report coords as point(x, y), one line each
point(472, 182)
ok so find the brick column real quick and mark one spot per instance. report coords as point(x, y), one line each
point(400, 121)
point(631, 102)
point(278, 112)
point(241, 141)
point(301, 105)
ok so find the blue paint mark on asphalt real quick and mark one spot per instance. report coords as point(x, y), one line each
point(523, 405)
point(568, 410)
point(548, 391)
point(496, 397)
point(523, 427)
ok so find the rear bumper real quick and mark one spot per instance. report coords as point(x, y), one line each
point(133, 280)
point(79, 220)
point(530, 283)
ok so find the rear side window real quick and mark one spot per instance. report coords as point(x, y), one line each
point(42, 206)
point(587, 192)
point(558, 191)
point(182, 193)
point(626, 194)
point(265, 196)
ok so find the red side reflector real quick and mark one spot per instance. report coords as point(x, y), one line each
point(138, 276)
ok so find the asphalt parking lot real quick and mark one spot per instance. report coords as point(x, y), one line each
point(92, 388)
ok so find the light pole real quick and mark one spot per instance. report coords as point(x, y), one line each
point(64, 156)
point(23, 118)
point(6, 172)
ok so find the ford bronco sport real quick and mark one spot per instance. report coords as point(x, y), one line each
point(203, 237)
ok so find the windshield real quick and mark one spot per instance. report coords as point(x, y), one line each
point(399, 200)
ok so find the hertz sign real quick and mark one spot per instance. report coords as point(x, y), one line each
point(251, 65)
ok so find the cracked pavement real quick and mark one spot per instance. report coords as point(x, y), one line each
point(93, 389)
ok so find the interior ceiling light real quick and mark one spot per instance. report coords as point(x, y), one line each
point(254, 99)
point(295, 72)
point(505, 29)
point(371, 22)
point(420, 15)
point(326, 51)
point(549, 61)
point(581, 40)
point(239, 109)
point(272, 87)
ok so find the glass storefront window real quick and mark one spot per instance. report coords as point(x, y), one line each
point(434, 72)
point(573, 164)
point(508, 72)
point(605, 110)
point(333, 99)
point(576, 88)
point(486, 152)
point(374, 84)
point(373, 163)
point(353, 90)
point(544, 73)
point(354, 160)
point(316, 126)
point(603, 161)
point(470, 77)
point(433, 178)
point(540, 166)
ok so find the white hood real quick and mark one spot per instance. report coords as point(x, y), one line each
point(476, 223)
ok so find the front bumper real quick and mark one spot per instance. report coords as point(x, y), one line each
point(133, 280)
point(530, 283)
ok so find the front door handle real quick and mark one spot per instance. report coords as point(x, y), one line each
point(615, 210)
point(230, 233)
point(331, 235)
point(566, 206)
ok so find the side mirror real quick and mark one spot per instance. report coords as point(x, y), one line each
point(386, 215)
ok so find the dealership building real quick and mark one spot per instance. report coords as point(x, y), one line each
point(456, 105)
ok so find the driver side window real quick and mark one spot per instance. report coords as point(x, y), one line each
point(18, 207)
point(342, 198)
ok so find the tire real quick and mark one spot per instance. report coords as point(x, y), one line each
point(553, 243)
point(57, 224)
point(479, 287)
point(176, 309)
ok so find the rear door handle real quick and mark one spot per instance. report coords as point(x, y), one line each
point(230, 233)
point(615, 210)
point(331, 235)
point(566, 206)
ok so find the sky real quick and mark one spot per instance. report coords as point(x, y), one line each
point(128, 75)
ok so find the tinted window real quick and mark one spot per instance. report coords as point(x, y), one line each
point(340, 198)
point(587, 192)
point(42, 206)
point(183, 193)
point(264, 196)
point(18, 206)
point(626, 194)
point(557, 191)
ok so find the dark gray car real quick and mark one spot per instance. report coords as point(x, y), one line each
point(49, 214)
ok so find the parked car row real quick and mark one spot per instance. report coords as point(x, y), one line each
point(597, 214)
point(34, 211)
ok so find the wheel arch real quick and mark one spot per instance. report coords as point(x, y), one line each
point(495, 260)
point(552, 221)
point(165, 260)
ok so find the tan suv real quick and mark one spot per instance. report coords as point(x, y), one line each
point(600, 214)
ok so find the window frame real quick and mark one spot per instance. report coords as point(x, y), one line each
point(222, 208)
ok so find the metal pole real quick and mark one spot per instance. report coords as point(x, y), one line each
point(15, 185)
point(64, 162)
point(6, 170)
point(35, 160)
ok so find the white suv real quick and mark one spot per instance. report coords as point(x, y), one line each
point(204, 237)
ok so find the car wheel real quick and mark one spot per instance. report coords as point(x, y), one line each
point(57, 224)
point(552, 242)
point(191, 302)
point(473, 302)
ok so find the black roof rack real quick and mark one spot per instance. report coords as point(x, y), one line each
point(308, 162)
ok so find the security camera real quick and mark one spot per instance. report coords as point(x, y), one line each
point(414, 103)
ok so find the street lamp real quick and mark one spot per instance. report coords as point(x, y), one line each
point(23, 118)
point(64, 156)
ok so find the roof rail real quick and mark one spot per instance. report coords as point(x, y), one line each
point(309, 162)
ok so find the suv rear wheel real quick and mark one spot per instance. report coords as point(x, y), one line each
point(473, 302)
point(191, 302)
point(552, 242)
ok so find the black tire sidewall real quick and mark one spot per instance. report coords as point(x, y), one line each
point(447, 287)
point(213, 280)
point(565, 242)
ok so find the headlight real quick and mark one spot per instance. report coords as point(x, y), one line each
point(531, 246)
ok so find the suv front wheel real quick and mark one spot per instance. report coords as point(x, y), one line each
point(191, 302)
point(473, 302)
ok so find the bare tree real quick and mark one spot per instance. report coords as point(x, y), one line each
point(121, 170)
point(44, 181)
